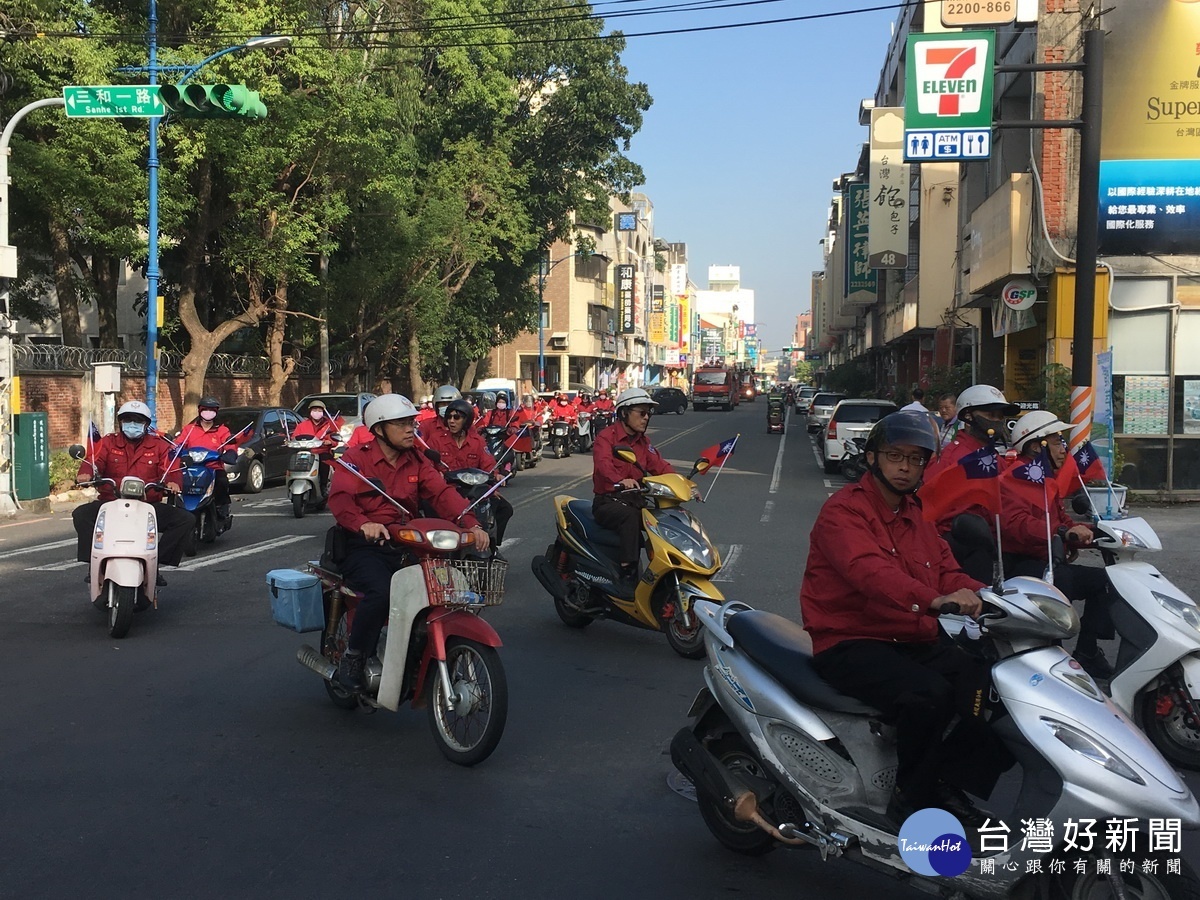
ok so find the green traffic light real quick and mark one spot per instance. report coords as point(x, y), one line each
point(212, 101)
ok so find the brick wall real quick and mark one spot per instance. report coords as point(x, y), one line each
point(62, 395)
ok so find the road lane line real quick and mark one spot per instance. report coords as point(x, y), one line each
point(828, 483)
point(766, 516)
point(27, 522)
point(730, 564)
point(779, 458)
point(205, 561)
point(56, 567)
point(37, 548)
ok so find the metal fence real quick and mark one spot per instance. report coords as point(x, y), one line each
point(57, 358)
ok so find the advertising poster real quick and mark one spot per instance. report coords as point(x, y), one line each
point(1191, 406)
point(1145, 404)
point(860, 277)
point(1150, 145)
point(625, 298)
point(887, 231)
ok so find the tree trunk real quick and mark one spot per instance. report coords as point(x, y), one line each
point(64, 285)
point(106, 274)
point(414, 361)
point(281, 369)
point(468, 381)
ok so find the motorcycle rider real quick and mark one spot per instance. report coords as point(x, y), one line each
point(319, 426)
point(877, 574)
point(604, 403)
point(563, 409)
point(203, 431)
point(617, 504)
point(426, 413)
point(462, 448)
point(1023, 523)
point(442, 397)
point(133, 450)
point(501, 415)
point(369, 560)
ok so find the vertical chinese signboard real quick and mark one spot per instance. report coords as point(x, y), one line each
point(658, 326)
point(887, 235)
point(860, 277)
point(625, 298)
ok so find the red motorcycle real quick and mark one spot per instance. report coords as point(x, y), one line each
point(435, 651)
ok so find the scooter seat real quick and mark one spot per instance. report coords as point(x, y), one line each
point(579, 517)
point(784, 649)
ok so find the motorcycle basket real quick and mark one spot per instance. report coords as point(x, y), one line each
point(464, 582)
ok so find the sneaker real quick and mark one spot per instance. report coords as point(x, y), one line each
point(223, 511)
point(1095, 664)
point(959, 805)
point(160, 581)
point(350, 671)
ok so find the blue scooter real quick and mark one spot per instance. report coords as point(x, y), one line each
point(198, 483)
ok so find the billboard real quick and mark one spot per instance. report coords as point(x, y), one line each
point(859, 276)
point(887, 230)
point(1150, 141)
point(625, 301)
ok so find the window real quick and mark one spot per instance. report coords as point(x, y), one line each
point(545, 323)
point(855, 412)
point(271, 423)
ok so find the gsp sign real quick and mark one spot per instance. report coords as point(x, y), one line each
point(1018, 294)
point(948, 95)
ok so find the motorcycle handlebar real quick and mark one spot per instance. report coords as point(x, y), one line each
point(949, 609)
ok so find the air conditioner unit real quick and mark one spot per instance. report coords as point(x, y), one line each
point(559, 341)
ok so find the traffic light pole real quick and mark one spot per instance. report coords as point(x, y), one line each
point(152, 270)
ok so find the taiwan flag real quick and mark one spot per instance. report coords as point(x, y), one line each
point(717, 453)
point(1038, 471)
point(970, 482)
point(93, 440)
point(1084, 464)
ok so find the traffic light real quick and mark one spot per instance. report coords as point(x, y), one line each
point(212, 101)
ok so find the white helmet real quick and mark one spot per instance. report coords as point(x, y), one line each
point(634, 397)
point(1037, 424)
point(984, 395)
point(134, 408)
point(445, 394)
point(388, 408)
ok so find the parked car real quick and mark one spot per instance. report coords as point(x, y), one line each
point(348, 408)
point(803, 398)
point(669, 400)
point(261, 454)
point(850, 419)
point(820, 408)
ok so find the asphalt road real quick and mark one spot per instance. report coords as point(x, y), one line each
point(196, 758)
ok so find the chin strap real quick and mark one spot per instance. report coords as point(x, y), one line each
point(878, 473)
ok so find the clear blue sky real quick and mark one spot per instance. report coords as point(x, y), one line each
point(748, 129)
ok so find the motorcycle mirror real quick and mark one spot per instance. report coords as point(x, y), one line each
point(1082, 503)
point(625, 454)
point(972, 531)
point(375, 483)
point(229, 456)
point(701, 466)
point(76, 451)
point(433, 456)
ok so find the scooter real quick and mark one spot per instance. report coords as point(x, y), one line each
point(778, 757)
point(476, 487)
point(583, 431)
point(581, 570)
point(123, 574)
point(436, 651)
point(853, 464)
point(1156, 677)
point(304, 475)
point(562, 435)
point(198, 483)
point(499, 445)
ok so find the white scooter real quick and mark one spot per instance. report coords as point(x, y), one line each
point(1156, 677)
point(303, 475)
point(124, 559)
point(780, 757)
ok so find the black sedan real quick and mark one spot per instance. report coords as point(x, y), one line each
point(262, 453)
point(669, 400)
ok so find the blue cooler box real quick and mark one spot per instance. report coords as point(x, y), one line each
point(296, 600)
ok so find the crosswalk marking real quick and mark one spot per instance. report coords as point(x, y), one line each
point(205, 561)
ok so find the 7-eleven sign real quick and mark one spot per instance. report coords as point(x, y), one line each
point(949, 80)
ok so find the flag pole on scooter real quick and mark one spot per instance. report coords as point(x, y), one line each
point(720, 467)
point(234, 437)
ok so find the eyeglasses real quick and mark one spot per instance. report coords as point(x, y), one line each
point(640, 410)
point(454, 416)
point(896, 457)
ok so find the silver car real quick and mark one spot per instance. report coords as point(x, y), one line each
point(821, 409)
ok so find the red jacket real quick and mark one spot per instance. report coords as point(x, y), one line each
point(472, 454)
point(608, 470)
point(565, 411)
point(504, 418)
point(411, 480)
point(872, 573)
point(962, 444)
point(1023, 515)
point(361, 435)
point(151, 458)
point(310, 429)
point(215, 438)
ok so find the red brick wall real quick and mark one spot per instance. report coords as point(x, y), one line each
point(59, 394)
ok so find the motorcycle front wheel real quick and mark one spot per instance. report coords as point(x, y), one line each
point(299, 501)
point(687, 642)
point(470, 728)
point(120, 602)
point(1164, 720)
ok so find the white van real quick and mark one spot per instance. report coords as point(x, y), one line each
point(500, 384)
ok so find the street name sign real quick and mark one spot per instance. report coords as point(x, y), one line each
point(110, 101)
point(948, 96)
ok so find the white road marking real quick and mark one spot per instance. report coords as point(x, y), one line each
point(779, 456)
point(729, 564)
point(205, 561)
point(27, 522)
point(509, 543)
point(828, 483)
point(817, 455)
point(263, 504)
point(37, 548)
point(57, 567)
point(766, 516)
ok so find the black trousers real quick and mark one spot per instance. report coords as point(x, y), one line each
point(919, 688)
point(1088, 584)
point(625, 520)
point(503, 511)
point(368, 568)
point(175, 524)
point(220, 487)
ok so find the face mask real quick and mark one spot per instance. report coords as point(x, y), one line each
point(208, 414)
point(133, 430)
point(317, 414)
point(502, 406)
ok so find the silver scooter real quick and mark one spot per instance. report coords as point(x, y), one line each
point(779, 757)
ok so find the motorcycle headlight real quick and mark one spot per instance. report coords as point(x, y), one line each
point(1129, 539)
point(133, 488)
point(1186, 611)
point(1091, 748)
point(698, 551)
point(1062, 614)
point(656, 489)
point(444, 539)
point(198, 456)
point(473, 478)
point(345, 431)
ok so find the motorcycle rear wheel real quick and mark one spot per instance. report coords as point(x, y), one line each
point(469, 733)
point(341, 698)
point(741, 837)
point(121, 601)
point(1170, 733)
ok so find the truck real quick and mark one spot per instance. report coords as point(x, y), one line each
point(715, 386)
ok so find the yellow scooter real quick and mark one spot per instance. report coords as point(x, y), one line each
point(580, 570)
